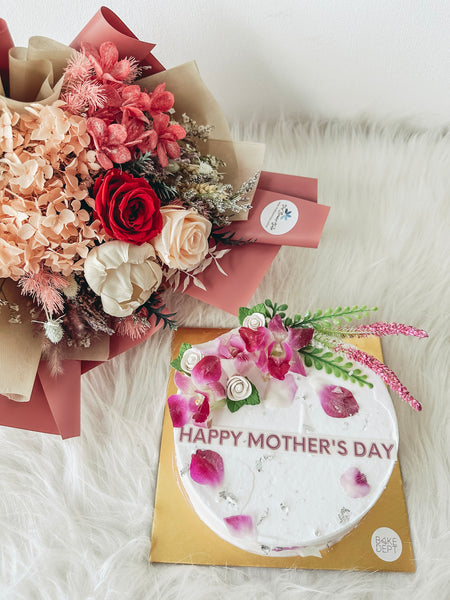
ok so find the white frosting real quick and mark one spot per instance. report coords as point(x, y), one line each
point(290, 489)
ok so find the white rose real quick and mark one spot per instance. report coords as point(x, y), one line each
point(254, 321)
point(190, 358)
point(123, 275)
point(183, 241)
point(238, 388)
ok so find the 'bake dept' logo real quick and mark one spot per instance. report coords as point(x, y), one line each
point(386, 544)
point(279, 217)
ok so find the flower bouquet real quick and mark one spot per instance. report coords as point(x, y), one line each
point(119, 184)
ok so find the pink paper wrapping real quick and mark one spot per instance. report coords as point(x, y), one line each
point(247, 265)
point(54, 406)
point(104, 26)
point(6, 42)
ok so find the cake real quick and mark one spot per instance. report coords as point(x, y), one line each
point(277, 457)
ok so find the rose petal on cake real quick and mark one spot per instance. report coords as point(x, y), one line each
point(207, 467)
point(355, 483)
point(338, 402)
point(242, 525)
point(207, 370)
point(179, 410)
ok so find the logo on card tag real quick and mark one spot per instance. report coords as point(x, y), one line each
point(386, 544)
point(279, 217)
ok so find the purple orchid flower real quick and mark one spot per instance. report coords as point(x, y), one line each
point(278, 347)
point(197, 391)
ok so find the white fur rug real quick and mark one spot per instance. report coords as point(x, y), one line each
point(76, 515)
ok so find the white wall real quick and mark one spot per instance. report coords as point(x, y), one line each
point(335, 58)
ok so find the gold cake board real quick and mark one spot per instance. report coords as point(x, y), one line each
point(180, 536)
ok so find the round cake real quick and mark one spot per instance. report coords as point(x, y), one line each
point(277, 460)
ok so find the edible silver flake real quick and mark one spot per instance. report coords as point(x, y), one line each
point(344, 515)
point(265, 549)
point(263, 516)
point(230, 499)
point(284, 507)
point(261, 461)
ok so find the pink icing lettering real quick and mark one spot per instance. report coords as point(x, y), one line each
point(312, 445)
point(276, 444)
point(374, 451)
point(224, 435)
point(286, 439)
point(299, 443)
point(388, 450)
point(236, 436)
point(259, 441)
point(212, 434)
point(187, 434)
point(199, 436)
point(323, 446)
point(359, 449)
point(342, 448)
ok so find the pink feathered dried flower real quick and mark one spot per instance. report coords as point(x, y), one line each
point(45, 288)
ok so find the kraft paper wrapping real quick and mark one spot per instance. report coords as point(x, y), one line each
point(180, 536)
point(20, 349)
point(36, 73)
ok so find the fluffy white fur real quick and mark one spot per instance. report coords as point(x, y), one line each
point(76, 515)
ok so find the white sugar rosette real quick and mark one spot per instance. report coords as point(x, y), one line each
point(254, 321)
point(190, 358)
point(238, 388)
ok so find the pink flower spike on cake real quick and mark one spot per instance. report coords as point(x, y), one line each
point(355, 483)
point(207, 468)
point(338, 402)
point(241, 525)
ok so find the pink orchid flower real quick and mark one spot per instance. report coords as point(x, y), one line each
point(197, 391)
point(106, 63)
point(166, 143)
point(278, 347)
point(109, 142)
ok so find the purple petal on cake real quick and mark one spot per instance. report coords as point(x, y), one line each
point(207, 370)
point(183, 382)
point(207, 467)
point(179, 410)
point(254, 340)
point(338, 402)
point(277, 329)
point(299, 338)
point(202, 412)
point(355, 483)
point(242, 525)
point(297, 365)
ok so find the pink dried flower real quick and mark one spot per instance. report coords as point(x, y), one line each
point(84, 96)
point(106, 64)
point(78, 68)
point(45, 288)
point(388, 376)
point(167, 137)
point(131, 327)
point(109, 141)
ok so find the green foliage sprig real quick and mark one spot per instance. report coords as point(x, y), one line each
point(332, 363)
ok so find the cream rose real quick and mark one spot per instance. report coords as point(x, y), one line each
point(123, 275)
point(183, 241)
point(238, 388)
point(254, 321)
point(190, 358)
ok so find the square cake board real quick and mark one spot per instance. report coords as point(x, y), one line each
point(180, 536)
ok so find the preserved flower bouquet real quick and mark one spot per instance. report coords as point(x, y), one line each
point(113, 191)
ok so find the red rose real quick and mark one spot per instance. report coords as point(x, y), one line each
point(128, 207)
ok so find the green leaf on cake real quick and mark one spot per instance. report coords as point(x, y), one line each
point(245, 312)
point(324, 320)
point(176, 363)
point(253, 400)
point(332, 363)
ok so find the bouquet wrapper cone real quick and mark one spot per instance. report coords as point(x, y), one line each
point(6, 43)
point(54, 405)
